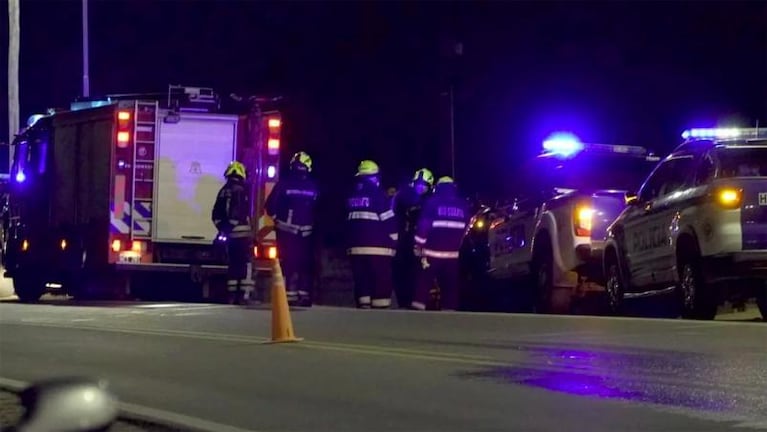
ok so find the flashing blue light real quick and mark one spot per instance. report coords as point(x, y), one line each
point(714, 133)
point(33, 119)
point(562, 144)
point(20, 177)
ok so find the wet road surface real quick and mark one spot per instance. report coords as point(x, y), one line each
point(395, 370)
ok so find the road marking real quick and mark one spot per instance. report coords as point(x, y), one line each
point(139, 412)
point(410, 354)
point(181, 306)
point(221, 337)
point(403, 353)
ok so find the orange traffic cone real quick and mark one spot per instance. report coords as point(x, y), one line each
point(282, 325)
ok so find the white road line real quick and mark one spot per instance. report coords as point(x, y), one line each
point(140, 412)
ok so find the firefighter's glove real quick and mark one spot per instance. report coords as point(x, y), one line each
point(425, 263)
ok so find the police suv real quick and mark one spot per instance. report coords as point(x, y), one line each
point(697, 227)
point(551, 238)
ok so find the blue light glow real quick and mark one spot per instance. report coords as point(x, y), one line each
point(20, 177)
point(562, 144)
point(33, 119)
point(711, 133)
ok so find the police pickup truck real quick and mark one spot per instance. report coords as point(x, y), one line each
point(697, 227)
point(551, 238)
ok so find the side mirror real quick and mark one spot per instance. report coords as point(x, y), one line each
point(631, 198)
point(72, 404)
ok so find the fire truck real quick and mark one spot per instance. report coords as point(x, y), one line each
point(111, 194)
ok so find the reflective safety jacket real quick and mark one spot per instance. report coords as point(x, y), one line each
point(371, 226)
point(442, 223)
point(231, 212)
point(292, 204)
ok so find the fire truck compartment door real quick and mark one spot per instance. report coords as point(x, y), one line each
point(191, 158)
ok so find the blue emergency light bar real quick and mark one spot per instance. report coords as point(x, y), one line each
point(723, 133)
point(562, 144)
point(565, 145)
point(81, 105)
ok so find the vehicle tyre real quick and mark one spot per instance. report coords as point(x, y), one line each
point(29, 287)
point(77, 281)
point(697, 299)
point(615, 287)
point(543, 275)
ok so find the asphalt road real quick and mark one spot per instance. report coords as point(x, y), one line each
point(401, 371)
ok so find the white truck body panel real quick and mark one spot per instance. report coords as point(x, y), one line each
point(191, 158)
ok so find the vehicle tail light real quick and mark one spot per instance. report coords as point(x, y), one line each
point(729, 198)
point(273, 145)
point(123, 137)
point(137, 246)
point(583, 218)
point(272, 254)
point(123, 115)
point(25, 245)
point(116, 245)
point(274, 123)
point(255, 251)
point(63, 244)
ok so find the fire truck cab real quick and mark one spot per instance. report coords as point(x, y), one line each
point(109, 194)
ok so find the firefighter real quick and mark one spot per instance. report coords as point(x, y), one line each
point(372, 236)
point(440, 231)
point(231, 216)
point(292, 206)
point(407, 205)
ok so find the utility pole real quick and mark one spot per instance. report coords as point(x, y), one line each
point(14, 36)
point(457, 52)
point(452, 132)
point(86, 78)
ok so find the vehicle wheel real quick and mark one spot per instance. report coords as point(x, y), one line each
point(543, 275)
point(614, 288)
point(698, 300)
point(77, 281)
point(29, 288)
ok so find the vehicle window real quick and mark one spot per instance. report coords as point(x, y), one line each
point(41, 154)
point(21, 157)
point(679, 175)
point(706, 171)
point(742, 162)
point(591, 171)
point(668, 177)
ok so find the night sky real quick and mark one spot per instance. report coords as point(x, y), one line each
point(366, 80)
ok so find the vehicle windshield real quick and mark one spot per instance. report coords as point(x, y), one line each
point(591, 171)
point(743, 162)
